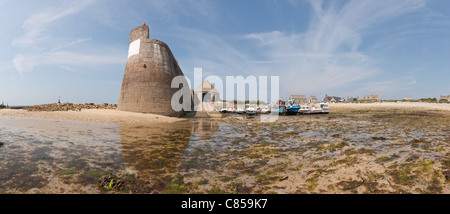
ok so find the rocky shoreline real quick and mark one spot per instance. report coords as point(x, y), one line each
point(69, 107)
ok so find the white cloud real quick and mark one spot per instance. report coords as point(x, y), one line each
point(26, 63)
point(40, 46)
point(36, 25)
point(328, 56)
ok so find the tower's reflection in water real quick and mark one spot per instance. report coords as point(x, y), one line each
point(154, 151)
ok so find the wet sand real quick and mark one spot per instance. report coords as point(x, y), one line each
point(354, 149)
point(93, 115)
point(357, 148)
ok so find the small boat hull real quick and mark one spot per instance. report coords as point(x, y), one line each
point(292, 110)
point(304, 111)
point(316, 111)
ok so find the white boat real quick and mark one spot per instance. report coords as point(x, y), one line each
point(325, 108)
point(316, 110)
point(240, 110)
point(251, 109)
point(265, 110)
point(224, 110)
point(304, 109)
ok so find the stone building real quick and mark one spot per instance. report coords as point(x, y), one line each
point(207, 100)
point(371, 98)
point(206, 92)
point(299, 99)
point(312, 99)
point(444, 98)
point(352, 99)
point(333, 99)
point(150, 68)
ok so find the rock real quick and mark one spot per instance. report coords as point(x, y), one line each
point(69, 107)
point(110, 182)
point(2, 143)
point(284, 178)
point(447, 175)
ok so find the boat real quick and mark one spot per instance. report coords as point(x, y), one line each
point(240, 110)
point(265, 110)
point(251, 109)
point(224, 110)
point(280, 107)
point(304, 109)
point(292, 108)
point(325, 108)
point(316, 110)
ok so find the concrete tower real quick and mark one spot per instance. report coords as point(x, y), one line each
point(151, 66)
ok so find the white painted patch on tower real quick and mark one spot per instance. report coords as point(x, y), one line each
point(134, 48)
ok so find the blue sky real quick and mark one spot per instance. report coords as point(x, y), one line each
point(78, 49)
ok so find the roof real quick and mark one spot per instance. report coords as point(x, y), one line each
point(335, 98)
point(206, 86)
point(297, 97)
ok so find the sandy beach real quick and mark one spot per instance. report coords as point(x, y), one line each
point(92, 115)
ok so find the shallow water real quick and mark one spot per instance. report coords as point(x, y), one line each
point(61, 156)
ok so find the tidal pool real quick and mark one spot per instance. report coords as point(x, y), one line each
point(62, 156)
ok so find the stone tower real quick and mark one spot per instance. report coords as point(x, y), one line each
point(151, 66)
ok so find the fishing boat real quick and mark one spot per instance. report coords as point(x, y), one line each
point(304, 109)
point(292, 108)
point(280, 107)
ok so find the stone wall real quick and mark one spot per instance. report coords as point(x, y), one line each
point(146, 86)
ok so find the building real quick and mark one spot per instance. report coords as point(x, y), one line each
point(150, 69)
point(206, 92)
point(299, 99)
point(352, 99)
point(371, 98)
point(207, 100)
point(444, 98)
point(332, 99)
point(407, 98)
point(312, 99)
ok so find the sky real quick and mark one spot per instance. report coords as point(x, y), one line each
point(77, 50)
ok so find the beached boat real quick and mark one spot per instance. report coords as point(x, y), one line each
point(252, 109)
point(304, 109)
point(280, 107)
point(316, 110)
point(240, 110)
point(224, 110)
point(292, 108)
point(325, 108)
point(265, 110)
